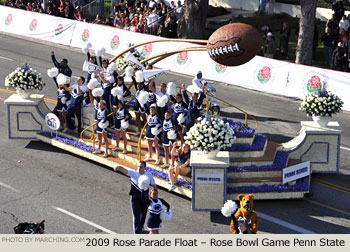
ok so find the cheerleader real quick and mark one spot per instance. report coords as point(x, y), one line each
point(124, 90)
point(152, 96)
point(122, 115)
point(153, 122)
point(168, 125)
point(161, 108)
point(155, 208)
point(179, 108)
point(101, 132)
point(62, 96)
point(183, 167)
point(138, 109)
point(93, 60)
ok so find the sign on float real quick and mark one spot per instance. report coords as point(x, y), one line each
point(295, 172)
point(52, 121)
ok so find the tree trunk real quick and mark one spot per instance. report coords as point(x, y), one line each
point(193, 21)
point(306, 32)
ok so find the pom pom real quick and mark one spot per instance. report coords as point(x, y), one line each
point(110, 70)
point(166, 216)
point(113, 66)
point(162, 101)
point(62, 79)
point(93, 75)
point(117, 91)
point(171, 134)
point(171, 88)
point(103, 125)
point(139, 76)
point(52, 72)
point(229, 208)
point(97, 92)
point(193, 89)
point(64, 100)
point(155, 131)
point(93, 83)
point(129, 71)
point(127, 80)
point(88, 45)
point(143, 97)
point(181, 118)
point(144, 182)
point(124, 124)
point(100, 52)
point(85, 49)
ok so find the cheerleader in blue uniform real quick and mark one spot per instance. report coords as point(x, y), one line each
point(152, 96)
point(155, 208)
point(153, 122)
point(101, 132)
point(124, 90)
point(138, 109)
point(61, 107)
point(179, 108)
point(168, 125)
point(122, 114)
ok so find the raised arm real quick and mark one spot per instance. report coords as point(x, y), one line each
point(184, 93)
point(121, 169)
point(54, 61)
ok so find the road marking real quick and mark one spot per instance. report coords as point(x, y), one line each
point(1, 57)
point(84, 220)
point(345, 148)
point(285, 224)
point(329, 207)
point(330, 185)
point(9, 187)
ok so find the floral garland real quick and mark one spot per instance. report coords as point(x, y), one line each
point(24, 78)
point(239, 128)
point(257, 145)
point(278, 164)
point(301, 185)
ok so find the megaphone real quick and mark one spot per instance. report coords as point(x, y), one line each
point(133, 61)
point(149, 74)
point(88, 66)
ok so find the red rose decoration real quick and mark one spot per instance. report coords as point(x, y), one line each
point(34, 23)
point(265, 72)
point(9, 18)
point(315, 82)
point(221, 66)
point(60, 28)
point(148, 48)
point(115, 40)
point(86, 34)
point(183, 56)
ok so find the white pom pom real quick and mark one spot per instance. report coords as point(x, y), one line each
point(62, 79)
point(155, 131)
point(88, 45)
point(117, 92)
point(85, 49)
point(144, 182)
point(52, 72)
point(113, 66)
point(193, 89)
point(103, 125)
point(139, 76)
point(171, 88)
point(162, 101)
point(97, 92)
point(229, 208)
point(64, 100)
point(181, 118)
point(166, 216)
point(124, 124)
point(143, 97)
point(129, 71)
point(100, 52)
point(110, 70)
point(93, 75)
point(127, 80)
point(171, 134)
point(93, 83)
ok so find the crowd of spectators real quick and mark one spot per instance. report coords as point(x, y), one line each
point(156, 17)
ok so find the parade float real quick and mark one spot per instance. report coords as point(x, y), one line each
point(249, 164)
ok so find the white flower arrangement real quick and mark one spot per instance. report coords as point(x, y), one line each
point(209, 134)
point(321, 103)
point(122, 64)
point(24, 78)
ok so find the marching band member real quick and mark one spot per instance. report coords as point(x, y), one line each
point(153, 122)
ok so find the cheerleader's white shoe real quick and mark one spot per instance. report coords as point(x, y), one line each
point(116, 148)
point(97, 151)
point(157, 162)
point(148, 159)
point(165, 166)
point(125, 151)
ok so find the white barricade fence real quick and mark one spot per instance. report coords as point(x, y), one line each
point(35, 25)
point(263, 74)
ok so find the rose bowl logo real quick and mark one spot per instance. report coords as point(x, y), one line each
point(115, 42)
point(313, 84)
point(264, 74)
point(220, 69)
point(182, 58)
point(8, 19)
point(85, 36)
point(59, 29)
point(146, 50)
point(33, 25)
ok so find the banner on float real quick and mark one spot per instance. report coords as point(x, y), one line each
point(295, 172)
point(34, 25)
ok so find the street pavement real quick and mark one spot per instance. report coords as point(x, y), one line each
point(76, 196)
